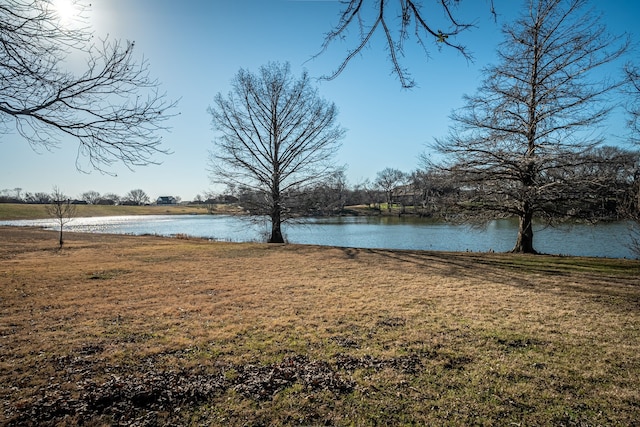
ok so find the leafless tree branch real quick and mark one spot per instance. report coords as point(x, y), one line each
point(368, 16)
point(113, 109)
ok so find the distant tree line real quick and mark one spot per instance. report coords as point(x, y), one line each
point(133, 198)
point(611, 191)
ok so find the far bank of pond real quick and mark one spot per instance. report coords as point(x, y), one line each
point(611, 240)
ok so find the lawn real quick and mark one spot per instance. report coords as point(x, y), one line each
point(157, 331)
point(13, 211)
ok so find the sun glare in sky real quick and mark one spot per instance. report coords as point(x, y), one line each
point(65, 9)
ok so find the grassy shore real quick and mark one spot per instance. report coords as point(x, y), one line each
point(13, 211)
point(156, 331)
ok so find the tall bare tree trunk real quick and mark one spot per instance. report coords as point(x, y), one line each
point(276, 217)
point(276, 228)
point(524, 242)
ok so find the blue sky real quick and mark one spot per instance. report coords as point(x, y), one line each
point(195, 47)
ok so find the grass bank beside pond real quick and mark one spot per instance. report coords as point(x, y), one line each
point(159, 331)
point(14, 211)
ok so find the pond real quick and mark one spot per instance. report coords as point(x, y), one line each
point(612, 239)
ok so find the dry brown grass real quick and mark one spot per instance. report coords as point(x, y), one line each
point(123, 329)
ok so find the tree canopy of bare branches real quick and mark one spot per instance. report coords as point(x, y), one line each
point(398, 21)
point(517, 143)
point(113, 108)
point(92, 197)
point(136, 197)
point(388, 180)
point(275, 134)
point(633, 106)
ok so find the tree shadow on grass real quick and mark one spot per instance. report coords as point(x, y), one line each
point(603, 280)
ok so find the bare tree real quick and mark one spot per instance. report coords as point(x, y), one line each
point(136, 197)
point(515, 143)
point(37, 198)
point(324, 198)
point(113, 109)
point(18, 193)
point(601, 185)
point(388, 181)
point(275, 134)
point(61, 209)
point(633, 108)
point(432, 190)
point(368, 17)
point(92, 197)
point(7, 197)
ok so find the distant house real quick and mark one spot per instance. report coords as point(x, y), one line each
point(166, 200)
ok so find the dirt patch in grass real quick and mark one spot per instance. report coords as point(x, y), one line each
point(155, 331)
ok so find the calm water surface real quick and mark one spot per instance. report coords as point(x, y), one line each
point(603, 240)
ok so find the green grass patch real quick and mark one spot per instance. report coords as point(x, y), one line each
point(14, 211)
